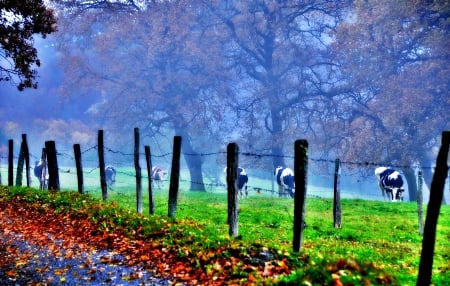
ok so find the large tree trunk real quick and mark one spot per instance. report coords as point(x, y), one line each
point(193, 161)
point(412, 183)
point(426, 164)
point(277, 138)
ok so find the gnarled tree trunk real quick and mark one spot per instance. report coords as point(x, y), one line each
point(412, 183)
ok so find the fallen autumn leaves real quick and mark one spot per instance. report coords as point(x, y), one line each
point(41, 243)
point(41, 246)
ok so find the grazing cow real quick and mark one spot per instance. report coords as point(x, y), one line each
point(390, 182)
point(158, 176)
point(285, 181)
point(110, 174)
point(242, 181)
point(40, 171)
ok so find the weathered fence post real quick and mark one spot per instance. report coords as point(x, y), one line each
point(420, 201)
point(23, 153)
point(79, 166)
point(52, 161)
point(151, 200)
point(174, 176)
point(24, 157)
point(233, 201)
point(433, 209)
point(27, 159)
point(10, 162)
point(101, 165)
point(337, 215)
point(300, 175)
point(138, 172)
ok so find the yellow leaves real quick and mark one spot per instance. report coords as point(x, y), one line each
point(21, 263)
point(133, 276)
point(336, 279)
point(60, 272)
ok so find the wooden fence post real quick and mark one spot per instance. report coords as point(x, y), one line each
point(420, 201)
point(10, 162)
point(20, 162)
point(300, 175)
point(79, 166)
point(233, 201)
point(52, 161)
point(174, 177)
point(433, 209)
point(151, 200)
point(27, 159)
point(101, 165)
point(138, 172)
point(337, 214)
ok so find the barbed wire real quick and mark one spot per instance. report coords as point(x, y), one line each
point(247, 154)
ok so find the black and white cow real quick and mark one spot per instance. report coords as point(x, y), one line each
point(40, 171)
point(242, 181)
point(110, 175)
point(158, 176)
point(390, 182)
point(285, 181)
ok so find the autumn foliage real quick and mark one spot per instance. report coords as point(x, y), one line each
point(69, 232)
point(109, 243)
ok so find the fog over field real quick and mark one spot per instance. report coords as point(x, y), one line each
point(366, 82)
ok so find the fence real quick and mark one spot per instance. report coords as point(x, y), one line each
point(356, 178)
point(87, 174)
point(300, 166)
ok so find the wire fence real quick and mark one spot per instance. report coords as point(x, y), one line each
point(357, 179)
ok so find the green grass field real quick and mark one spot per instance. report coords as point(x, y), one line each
point(373, 232)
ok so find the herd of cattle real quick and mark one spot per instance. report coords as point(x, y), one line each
point(157, 173)
point(389, 180)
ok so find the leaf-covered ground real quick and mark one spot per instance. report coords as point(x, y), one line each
point(39, 244)
point(54, 238)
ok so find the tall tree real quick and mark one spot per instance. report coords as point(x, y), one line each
point(280, 49)
point(20, 21)
point(395, 56)
point(160, 69)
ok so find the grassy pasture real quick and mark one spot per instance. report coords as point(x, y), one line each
point(373, 232)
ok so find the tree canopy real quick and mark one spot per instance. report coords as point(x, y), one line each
point(363, 80)
point(395, 56)
point(20, 21)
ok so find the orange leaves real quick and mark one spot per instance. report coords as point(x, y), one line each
point(11, 273)
point(53, 238)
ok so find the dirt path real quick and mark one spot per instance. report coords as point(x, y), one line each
point(41, 246)
point(49, 249)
